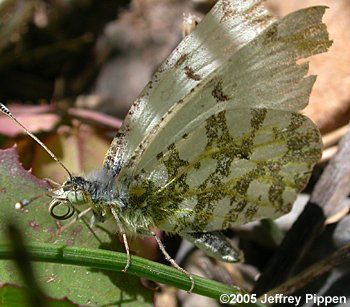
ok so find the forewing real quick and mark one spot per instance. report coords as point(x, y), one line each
point(237, 166)
point(230, 25)
point(261, 74)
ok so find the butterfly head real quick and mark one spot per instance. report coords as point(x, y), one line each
point(96, 190)
point(72, 193)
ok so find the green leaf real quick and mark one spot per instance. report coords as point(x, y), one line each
point(13, 296)
point(79, 284)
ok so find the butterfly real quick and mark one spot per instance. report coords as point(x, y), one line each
point(215, 139)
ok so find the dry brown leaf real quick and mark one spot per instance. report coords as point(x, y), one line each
point(330, 100)
point(34, 118)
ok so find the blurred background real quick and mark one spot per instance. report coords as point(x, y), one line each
point(70, 69)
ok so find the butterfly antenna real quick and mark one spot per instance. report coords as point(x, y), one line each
point(7, 112)
point(25, 202)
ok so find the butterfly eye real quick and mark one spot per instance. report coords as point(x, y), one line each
point(76, 197)
point(68, 214)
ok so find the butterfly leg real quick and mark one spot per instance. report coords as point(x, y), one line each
point(127, 250)
point(125, 240)
point(52, 183)
point(215, 245)
point(74, 220)
point(172, 261)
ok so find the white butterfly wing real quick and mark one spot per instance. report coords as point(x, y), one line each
point(263, 73)
point(230, 25)
point(215, 140)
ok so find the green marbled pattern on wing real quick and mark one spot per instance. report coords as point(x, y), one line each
point(237, 166)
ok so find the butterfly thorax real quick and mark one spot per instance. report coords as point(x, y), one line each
point(99, 191)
